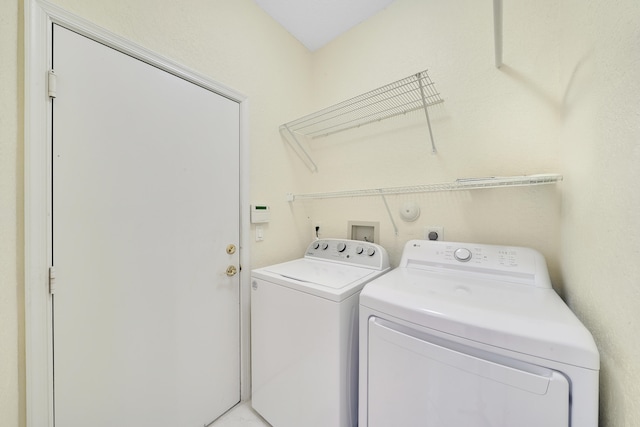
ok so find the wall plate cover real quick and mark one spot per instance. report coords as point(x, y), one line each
point(434, 232)
point(366, 231)
point(410, 211)
point(260, 214)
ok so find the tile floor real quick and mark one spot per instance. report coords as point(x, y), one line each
point(242, 415)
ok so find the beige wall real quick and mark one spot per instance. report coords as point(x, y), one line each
point(600, 93)
point(11, 230)
point(566, 101)
point(492, 123)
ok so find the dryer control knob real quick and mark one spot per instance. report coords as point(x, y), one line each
point(371, 251)
point(462, 254)
point(341, 247)
point(316, 245)
point(325, 246)
point(359, 250)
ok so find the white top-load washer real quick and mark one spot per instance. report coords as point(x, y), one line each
point(304, 333)
point(473, 335)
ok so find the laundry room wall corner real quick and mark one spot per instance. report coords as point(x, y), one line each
point(493, 122)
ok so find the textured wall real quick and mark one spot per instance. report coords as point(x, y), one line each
point(11, 241)
point(600, 136)
point(492, 123)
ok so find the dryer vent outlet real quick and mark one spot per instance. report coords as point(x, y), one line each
point(364, 230)
point(434, 233)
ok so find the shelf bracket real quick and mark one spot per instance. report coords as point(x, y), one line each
point(497, 30)
point(426, 113)
point(386, 205)
point(300, 149)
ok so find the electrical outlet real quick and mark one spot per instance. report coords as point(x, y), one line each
point(434, 233)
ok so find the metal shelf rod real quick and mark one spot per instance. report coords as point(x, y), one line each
point(457, 185)
point(497, 30)
point(426, 112)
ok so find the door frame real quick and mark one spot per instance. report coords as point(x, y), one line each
point(39, 18)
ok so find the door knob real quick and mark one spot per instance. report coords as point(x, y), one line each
point(231, 249)
point(231, 270)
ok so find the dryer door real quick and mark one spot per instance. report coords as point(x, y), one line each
point(418, 380)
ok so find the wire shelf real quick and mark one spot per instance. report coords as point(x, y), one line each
point(403, 96)
point(411, 93)
point(459, 184)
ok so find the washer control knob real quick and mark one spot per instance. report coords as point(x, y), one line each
point(325, 246)
point(462, 254)
point(359, 250)
point(371, 251)
point(341, 247)
point(316, 245)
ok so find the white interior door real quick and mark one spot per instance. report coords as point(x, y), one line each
point(145, 202)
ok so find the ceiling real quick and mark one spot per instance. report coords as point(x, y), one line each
point(316, 22)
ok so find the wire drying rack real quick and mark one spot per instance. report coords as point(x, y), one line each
point(409, 94)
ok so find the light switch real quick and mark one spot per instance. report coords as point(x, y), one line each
point(259, 234)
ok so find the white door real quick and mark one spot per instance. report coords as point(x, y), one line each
point(145, 203)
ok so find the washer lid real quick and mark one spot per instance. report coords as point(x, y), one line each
point(524, 319)
point(322, 278)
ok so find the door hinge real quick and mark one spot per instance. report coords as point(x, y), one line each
point(52, 84)
point(52, 280)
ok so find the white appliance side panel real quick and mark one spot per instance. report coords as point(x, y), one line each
point(412, 382)
point(301, 346)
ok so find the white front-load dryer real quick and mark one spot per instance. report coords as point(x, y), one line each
point(304, 333)
point(473, 335)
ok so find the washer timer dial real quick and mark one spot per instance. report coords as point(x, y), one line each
point(462, 254)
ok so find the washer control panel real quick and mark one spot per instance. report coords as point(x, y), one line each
point(511, 263)
point(462, 254)
point(353, 252)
